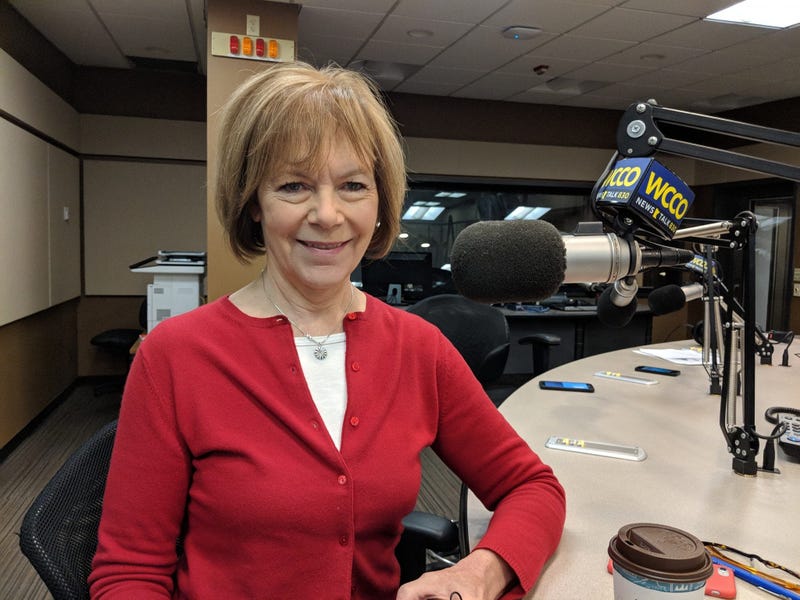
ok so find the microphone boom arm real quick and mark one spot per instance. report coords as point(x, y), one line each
point(638, 135)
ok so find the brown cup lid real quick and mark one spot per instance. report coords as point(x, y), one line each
point(660, 552)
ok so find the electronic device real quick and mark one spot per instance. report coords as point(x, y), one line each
point(627, 378)
point(622, 451)
point(657, 370)
point(722, 583)
point(790, 438)
point(567, 386)
point(411, 271)
point(177, 283)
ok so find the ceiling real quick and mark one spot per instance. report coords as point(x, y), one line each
point(589, 53)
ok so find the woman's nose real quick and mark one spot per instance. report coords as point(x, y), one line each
point(325, 211)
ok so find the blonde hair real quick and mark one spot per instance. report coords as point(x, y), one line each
point(286, 115)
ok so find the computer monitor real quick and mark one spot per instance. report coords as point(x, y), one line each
point(399, 278)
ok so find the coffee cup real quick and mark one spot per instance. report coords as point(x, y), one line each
point(654, 562)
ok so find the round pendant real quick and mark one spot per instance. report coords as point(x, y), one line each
point(320, 353)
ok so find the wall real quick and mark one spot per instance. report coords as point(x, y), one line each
point(144, 191)
point(225, 273)
point(50, 151)
point(39, 244)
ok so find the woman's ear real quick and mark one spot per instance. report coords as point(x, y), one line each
point(255, 210)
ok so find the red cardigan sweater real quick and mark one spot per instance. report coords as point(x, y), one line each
point(219, 438)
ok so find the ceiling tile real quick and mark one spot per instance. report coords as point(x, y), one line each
point(668, 78)
point(692, 8)
point(348, 24)
point(554, 66)
point(631, 25)
point(458, 77)
point(373, 6)
point(484, 48)
point(593, 101)
point(84, 39)
point(715, 86)
point(721, 62)
point(774, 45)
point(603, 71)
point(427, 88)
point(168, 10)
point(652, 56)
point(709, 35)
point(319, 50)
point(446, 10)
point(497, 86)
point(402, 53)
point(152, 38)
point(582, 48)
point(395, 29)
point(553, 16)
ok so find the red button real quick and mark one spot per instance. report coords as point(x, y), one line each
point(343, 540)
point(315, 425)
point(342, 479)
point(351, 316)
point(355, 366)
point(354, 421)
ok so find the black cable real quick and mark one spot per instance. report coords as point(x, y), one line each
point(771, 414)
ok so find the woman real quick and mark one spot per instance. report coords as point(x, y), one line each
point(277, 430)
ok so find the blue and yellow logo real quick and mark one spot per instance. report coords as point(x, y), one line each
point(649, 189)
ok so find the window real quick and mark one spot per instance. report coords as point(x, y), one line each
point(436, 211)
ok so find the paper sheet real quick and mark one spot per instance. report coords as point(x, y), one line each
point(679, 356)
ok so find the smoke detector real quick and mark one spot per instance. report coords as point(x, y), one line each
point(521, 32)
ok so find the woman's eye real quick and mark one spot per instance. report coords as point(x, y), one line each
point(354, 186)
point(292, 187)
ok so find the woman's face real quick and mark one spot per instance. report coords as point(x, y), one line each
point(317, 226)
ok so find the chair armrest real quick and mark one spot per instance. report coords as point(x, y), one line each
point(540, 344)
point(433, 531)
point(547, 339)
point(423, 531)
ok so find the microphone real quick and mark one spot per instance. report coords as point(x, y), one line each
point(669, 298)
point(524, 261)
point(617, 304)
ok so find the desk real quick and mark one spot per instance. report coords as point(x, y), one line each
point(686, 481)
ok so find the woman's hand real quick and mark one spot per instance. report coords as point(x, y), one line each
point(482, 575)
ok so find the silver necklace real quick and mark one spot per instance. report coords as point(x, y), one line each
point(320, 352)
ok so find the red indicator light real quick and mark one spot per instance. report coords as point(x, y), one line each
point(234, 44)
point(259, 47)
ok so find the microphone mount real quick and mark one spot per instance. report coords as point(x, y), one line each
point(638, 135)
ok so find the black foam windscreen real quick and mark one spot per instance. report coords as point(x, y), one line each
point(612, 315)
point(508, 261)
point(666, 299)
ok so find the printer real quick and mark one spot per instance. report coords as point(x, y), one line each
point(177, 283)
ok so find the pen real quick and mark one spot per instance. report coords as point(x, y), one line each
point(759, 582)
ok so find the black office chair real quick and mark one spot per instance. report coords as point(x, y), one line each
point(118, 342)
point(481, 335)
point(59, 530)
point(478, 331)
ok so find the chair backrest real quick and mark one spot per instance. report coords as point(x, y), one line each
point(478, 331)
point(59, 531)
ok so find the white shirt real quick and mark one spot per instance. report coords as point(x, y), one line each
point(326, 381)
